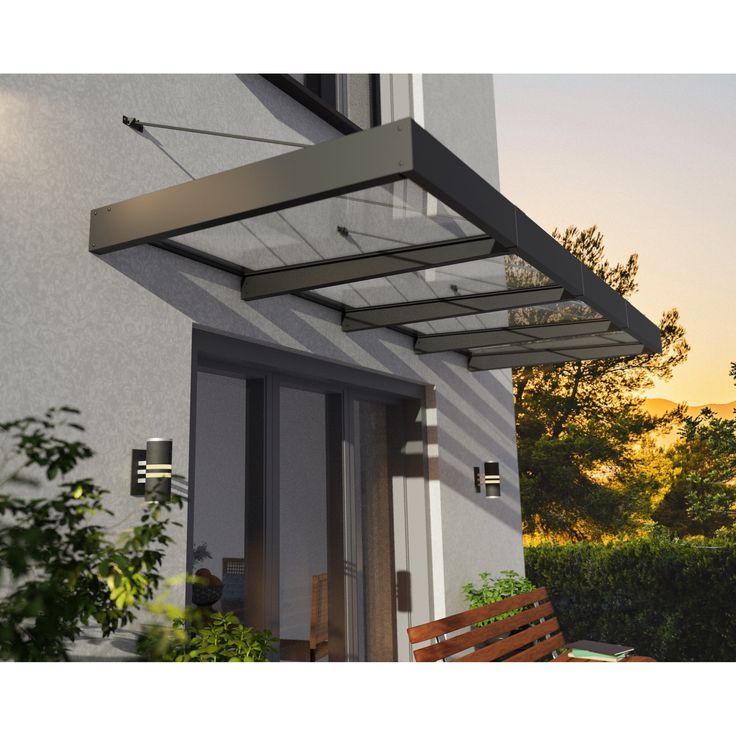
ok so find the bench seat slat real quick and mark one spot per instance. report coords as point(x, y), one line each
point(516, 641)
point(469, 639)
point(446, 625)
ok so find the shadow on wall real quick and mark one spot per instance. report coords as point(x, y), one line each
point(211, 297)
point(156, 142)
point(403, 590)
point(504, 510)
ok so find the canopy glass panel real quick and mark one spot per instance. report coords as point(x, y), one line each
point(367, 221)
point(389, 227)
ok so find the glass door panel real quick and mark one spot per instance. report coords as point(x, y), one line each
point(303, 521)
point(218, 513)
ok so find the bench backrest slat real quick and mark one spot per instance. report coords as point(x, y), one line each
point(543, 649)
point(512, 643)
point(447, 625)
point(471, 638)
point(528, 635)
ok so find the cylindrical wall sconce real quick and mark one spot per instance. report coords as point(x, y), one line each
point(490, 480)
point(158, 469)
point(150, 473)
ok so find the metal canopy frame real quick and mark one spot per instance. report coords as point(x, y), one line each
point(442, 341)
point(397, 151)
point(348, 269)
point(389, 315)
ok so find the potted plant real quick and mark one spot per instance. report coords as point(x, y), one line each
point(207, 589)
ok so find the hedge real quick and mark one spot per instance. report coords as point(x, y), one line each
point(672, 600)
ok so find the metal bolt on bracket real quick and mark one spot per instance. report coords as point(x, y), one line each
point(132, 123)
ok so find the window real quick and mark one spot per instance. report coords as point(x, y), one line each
point(354, 96)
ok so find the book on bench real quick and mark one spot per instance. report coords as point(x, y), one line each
point(598, 650)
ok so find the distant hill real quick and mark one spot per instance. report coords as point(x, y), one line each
point(657, 407)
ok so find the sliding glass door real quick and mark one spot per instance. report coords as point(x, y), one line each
point(292, 510)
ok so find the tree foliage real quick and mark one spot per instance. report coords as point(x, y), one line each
point(580, 425)
point(59, 570)
point(703, 491)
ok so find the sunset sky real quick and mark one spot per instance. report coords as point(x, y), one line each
point(651, 160)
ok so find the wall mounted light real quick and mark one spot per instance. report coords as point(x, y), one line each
point(150, 474)
point(490, 480)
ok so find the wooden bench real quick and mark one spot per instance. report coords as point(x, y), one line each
point(531, 634)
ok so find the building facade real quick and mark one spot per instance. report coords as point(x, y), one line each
point(304, 449)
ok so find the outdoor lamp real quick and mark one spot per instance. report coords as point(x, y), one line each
point(490, 479)
point(158, 469)
point(151, 470)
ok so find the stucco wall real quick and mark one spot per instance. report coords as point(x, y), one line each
point(459, 110)
point(112, 335)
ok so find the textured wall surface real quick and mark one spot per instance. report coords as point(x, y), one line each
point(478, 534)
point(112, 335)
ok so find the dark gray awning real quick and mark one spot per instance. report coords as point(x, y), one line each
point(392, 228)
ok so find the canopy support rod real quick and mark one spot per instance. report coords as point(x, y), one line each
point(139, 125)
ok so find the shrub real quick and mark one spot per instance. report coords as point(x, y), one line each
point(61, 571)
point(670, 599)
point(201, 636)
point(492, 590)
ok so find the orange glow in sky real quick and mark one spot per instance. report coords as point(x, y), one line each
point(650, 160)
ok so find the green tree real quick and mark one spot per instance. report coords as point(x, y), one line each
point(704, 490)
point(580, 425)
point(59, 571)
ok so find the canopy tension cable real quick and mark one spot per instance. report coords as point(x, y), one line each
point(138, 125)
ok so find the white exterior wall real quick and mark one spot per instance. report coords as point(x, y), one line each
point(112, 335)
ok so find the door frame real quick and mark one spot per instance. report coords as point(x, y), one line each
point(266, 368)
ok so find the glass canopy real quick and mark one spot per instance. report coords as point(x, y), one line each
point(389, 227)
